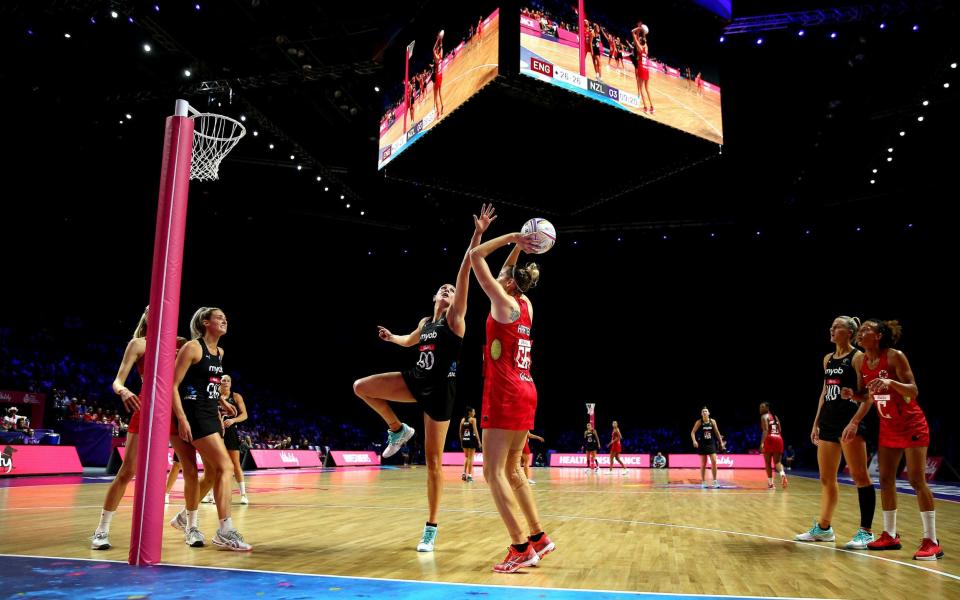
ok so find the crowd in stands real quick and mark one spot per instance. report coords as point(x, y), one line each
point(76, 373)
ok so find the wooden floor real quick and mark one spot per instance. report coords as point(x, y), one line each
point(653, 531)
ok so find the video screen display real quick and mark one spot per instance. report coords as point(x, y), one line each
point(650, 58)
point(439, 74)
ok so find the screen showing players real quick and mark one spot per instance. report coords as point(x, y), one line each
point(439, 74)
point(652, 58)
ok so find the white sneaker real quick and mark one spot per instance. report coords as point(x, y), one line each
point(180, 521)
point(816, 534)
point(100, 541)
point(860, 540)
point(208, 499)
point(716, 483)
point(231, 540)
point(244, 499)
point(428, 540)
point(396, 439)
point(194, 538)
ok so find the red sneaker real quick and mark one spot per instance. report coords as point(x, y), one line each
point(885, 542)
point(517, 560)
point(929, 550)
point(770, 486)
point(543, 547)
point(783, 480)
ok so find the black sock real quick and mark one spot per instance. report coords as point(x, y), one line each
point(429, 524)
point(536, 538)
point(521, 547)
point(868, 505)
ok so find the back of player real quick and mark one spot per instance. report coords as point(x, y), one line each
point(771, 444)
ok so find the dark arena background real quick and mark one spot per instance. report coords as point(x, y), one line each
point(686, 274)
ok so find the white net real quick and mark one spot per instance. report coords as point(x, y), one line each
point(214, 136)
point(590, 407)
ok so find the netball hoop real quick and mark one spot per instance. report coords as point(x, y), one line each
point(194, 144)
point(214, 136)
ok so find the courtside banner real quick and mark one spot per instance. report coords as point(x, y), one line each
point(356, 458)
point(457, 458)
point(933, 465)
point(634, 461)
point(122, 450)
point(285, 459)
point(724, 461)
point(38, 460)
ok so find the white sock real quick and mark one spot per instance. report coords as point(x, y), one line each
point(107, 515)
point(243, 488)
point(929, 524)
point(890, 522)
point(769, 480)
point(226, 525)
point(782, 474)
point(193, 519)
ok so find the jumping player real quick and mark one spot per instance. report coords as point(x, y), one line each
point(431, 382)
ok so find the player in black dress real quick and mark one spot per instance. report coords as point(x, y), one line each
point(431, 382)
point(709, 435)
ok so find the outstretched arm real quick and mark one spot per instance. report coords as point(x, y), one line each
point(402, 340)
point(502, 306)
point(458, 309)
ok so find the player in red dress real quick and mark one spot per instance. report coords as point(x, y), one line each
point(615, 448)
point(133, 356)
point(526, 458)
point(771, 444)
point(509, 395)
point(641, 50)
point(438, 74)
point(889, 380)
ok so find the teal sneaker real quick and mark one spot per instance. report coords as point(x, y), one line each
point(428, 540)
point(396, 439)
point(860, 540)
point(816, 534)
